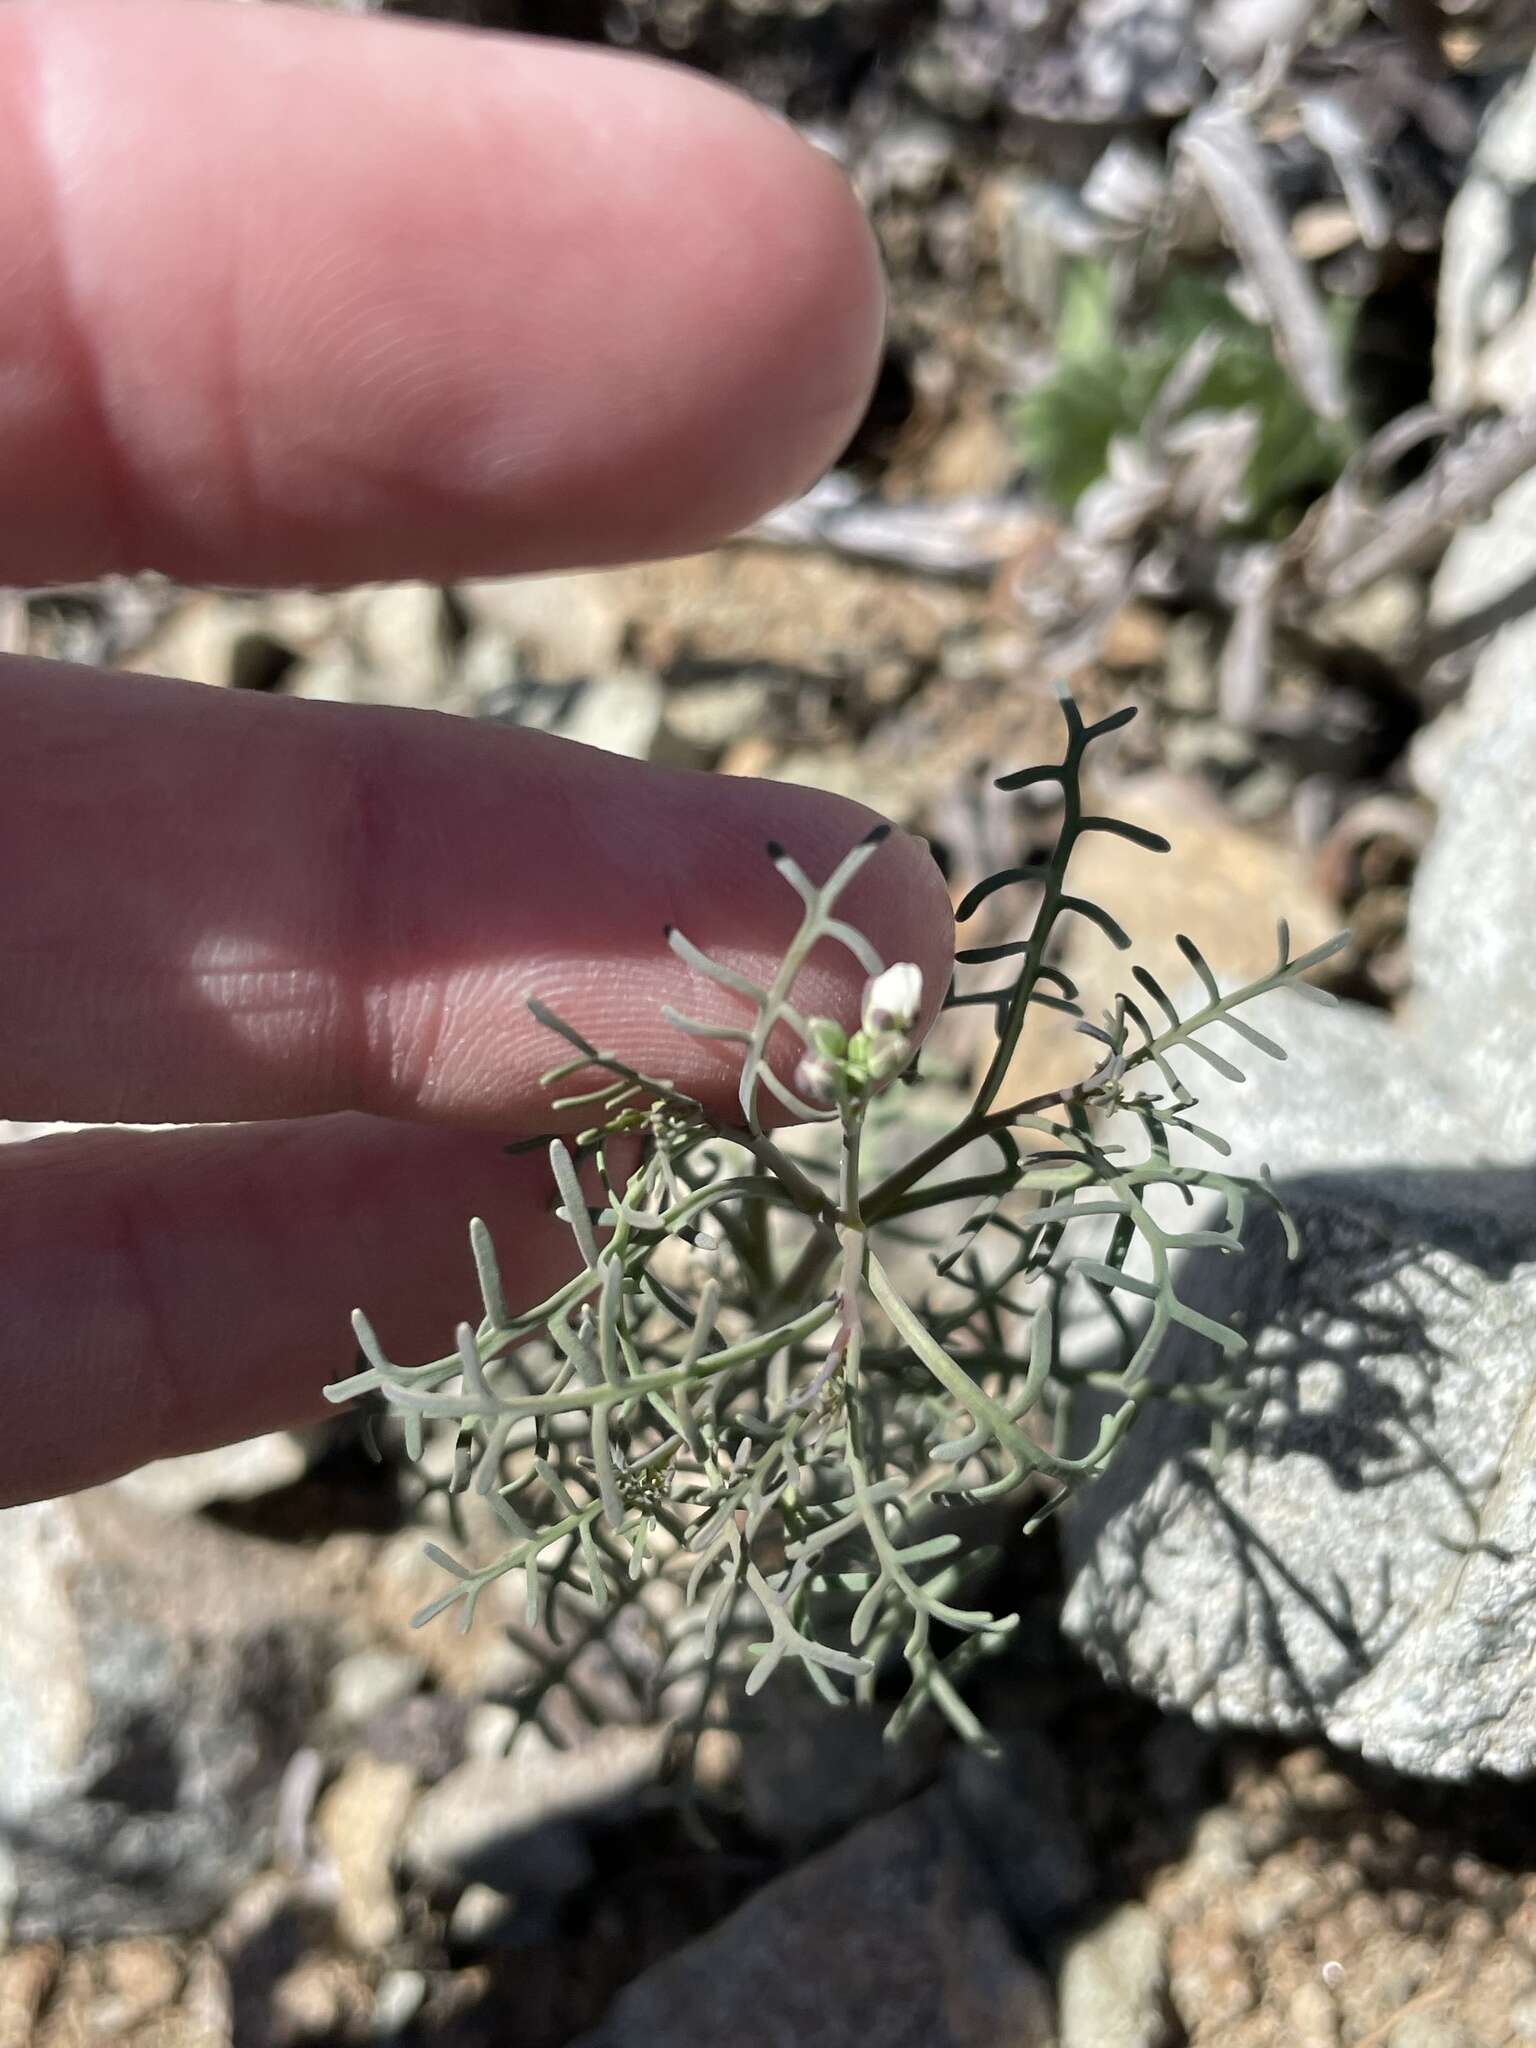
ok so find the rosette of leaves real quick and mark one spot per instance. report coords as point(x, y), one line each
point(1104, 390)
point(736, 1393)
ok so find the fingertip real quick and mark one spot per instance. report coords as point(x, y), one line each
point(497, 303)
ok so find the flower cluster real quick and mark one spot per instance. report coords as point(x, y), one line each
point(837, 1069)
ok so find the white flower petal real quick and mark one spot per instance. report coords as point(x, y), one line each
point(893, 999)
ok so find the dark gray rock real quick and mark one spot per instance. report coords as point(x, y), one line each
point(809, 1770)
point(890, 1937)
point(1017, 1813)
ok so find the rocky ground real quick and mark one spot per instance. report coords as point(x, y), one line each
point(243, 1801)
point(313, 1822)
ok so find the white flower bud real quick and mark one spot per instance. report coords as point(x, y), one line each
point(889, 1054)
point(816, 1079)
point(893, 999)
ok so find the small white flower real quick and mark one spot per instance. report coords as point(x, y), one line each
point(893, 999)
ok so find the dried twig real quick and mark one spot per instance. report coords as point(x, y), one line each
point(1224, 154)
point(1246, 653)
point(968, 539)
point(1417, 523)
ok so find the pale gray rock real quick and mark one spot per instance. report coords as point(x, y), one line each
point(454, 1840)
point(516, 1822)
point(1473, 911)
point(1361, 1560)
point(45, 1703)
point(399, 1998)
point(480, 1914)
point(152, 1689)
point(1483, 579)
point(1358, 1564)
point(557, 628)
point(703, 719)
point(1474, 901)
point(1354, 1091)
point(243, 1471)
point(620, 711)
point(1112, 1987)
point(890, 1937)
point(1485, 343)
point(369, 1682)
point(909, 160)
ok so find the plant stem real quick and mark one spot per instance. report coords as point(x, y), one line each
point(882, 1203)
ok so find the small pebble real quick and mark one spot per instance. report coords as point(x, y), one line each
point(367, 1682)
point(397, 2001)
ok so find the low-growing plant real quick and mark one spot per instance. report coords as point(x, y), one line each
point(742, 1389)
point(1104, 386)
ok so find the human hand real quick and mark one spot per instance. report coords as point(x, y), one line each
point(292, 298)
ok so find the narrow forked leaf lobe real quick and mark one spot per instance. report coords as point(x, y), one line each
point(1034, 870)
point(1122, 828)
point(1198, 961)
point(1028, 778)
point(1111, 927)
point(1112, 723)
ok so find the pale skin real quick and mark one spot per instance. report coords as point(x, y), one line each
point(296, 299)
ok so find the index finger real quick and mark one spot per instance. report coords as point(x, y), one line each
point(292, 297)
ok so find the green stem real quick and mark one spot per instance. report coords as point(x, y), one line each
point(1040, 933)
point(882, 1202)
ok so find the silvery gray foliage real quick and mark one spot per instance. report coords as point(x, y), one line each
point(737, 1392)
point(1097, 61)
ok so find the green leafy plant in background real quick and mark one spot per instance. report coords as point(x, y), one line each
point(1104, 386)
point(739, 1393)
